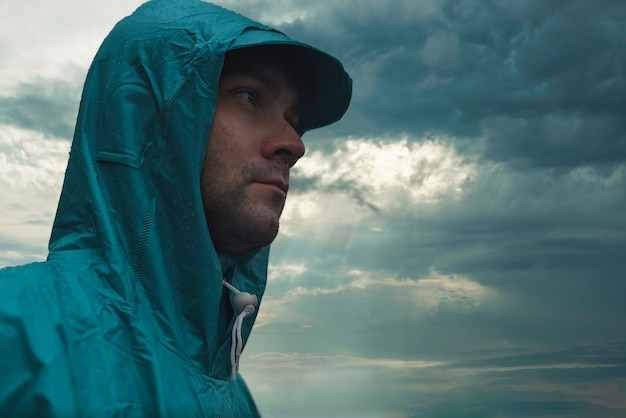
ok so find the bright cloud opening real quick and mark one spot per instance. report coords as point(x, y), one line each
point(393, 173)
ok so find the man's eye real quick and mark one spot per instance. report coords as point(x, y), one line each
point(247, 95)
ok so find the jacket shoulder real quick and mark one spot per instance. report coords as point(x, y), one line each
point(33, 343)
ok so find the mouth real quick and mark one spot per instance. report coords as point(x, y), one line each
point(279, 184)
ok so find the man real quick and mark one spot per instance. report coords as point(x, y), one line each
point(190, 119)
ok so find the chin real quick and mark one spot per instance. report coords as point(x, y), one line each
point(266, 226)
point(265, 231)
point(244, 224)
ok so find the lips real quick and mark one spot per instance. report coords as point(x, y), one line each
point(278, 183)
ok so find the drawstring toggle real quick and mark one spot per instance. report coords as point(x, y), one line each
point(244, 305)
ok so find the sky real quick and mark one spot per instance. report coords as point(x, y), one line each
point(453, 247)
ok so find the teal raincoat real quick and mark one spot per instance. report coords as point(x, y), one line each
point(128, 316)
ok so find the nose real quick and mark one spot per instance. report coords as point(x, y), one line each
point(283, 144)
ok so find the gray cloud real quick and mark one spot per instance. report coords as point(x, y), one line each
point(46, 105)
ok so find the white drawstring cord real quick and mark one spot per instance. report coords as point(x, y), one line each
point(245, 304)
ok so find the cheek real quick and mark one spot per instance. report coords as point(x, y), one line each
point(220, 145)
point(228, 137)
point(235, 134)
point(223, 165)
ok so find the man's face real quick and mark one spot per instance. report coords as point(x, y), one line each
point(252, 146)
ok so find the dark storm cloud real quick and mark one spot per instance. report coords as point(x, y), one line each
point(542, 82)
point(46, 105)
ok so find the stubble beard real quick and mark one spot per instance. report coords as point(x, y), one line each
point(236, 222)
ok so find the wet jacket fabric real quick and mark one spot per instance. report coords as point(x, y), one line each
point(128, 316)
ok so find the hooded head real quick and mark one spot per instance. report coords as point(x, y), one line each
point(142, 175)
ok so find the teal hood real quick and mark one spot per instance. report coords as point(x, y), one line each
point(128, 316)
